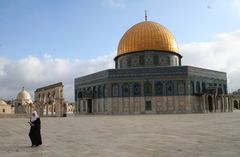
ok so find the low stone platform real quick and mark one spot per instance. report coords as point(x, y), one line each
point(175, 135)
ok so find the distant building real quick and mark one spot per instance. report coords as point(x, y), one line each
point(6, 108)
point(236, 99)
point(49, 100)
point(149, 78)
point(237, 92)
point(70, 107)
point(23, 103)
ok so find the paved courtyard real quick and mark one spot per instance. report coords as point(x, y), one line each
point(182, 135)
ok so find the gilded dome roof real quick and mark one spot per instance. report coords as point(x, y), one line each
point(147, 35)
point(24, 96)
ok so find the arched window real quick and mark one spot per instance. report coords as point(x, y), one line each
point(53, 94)
point(115, 90)
point(191, 87)
point(235, 104)
point(175, 61)
point(104, 91)
point(155, 59)
point(148, 89)
point(48, 98)
point(80, 95)
point(168, 60)
point(220, 91)
point(148, 59)
point(121, 63)
point(198, 87)
point(225, 88)
point(94, 92)
point(129, 62)
point(125, 90)
point(48, 95)
point(141, 60)
point(169, 88)
point(181, 88)
point(135, 61)
point(159, 88)
point(203, 87)
point(3, 110)
point(100, 92)
point(136, 89)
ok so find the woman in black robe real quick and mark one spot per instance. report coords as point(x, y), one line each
point(35, 131)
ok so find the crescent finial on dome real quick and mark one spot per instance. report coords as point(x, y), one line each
point(145, 15)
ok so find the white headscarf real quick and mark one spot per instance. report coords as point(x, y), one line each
point(34, 117)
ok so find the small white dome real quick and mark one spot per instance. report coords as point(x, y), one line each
point(24, 96)
point(3, 103)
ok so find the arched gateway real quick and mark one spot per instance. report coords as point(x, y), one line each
point(210, 103)
point(49, 100)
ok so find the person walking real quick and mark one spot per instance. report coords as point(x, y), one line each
point(35, 130)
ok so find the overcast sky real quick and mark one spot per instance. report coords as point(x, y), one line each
point(49, 41)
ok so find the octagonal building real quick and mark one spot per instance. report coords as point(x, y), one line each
point(149, 79)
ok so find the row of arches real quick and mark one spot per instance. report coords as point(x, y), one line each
point(92, 92)
point(44, 97)
point(204, 104)
point(218, 103)
point(201, 87)
point(150, 59)
point(148, 88)
point(126, 89)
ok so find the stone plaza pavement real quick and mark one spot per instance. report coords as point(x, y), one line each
point(170, 135)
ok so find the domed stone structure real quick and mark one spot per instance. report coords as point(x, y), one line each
point(149, 78)
point(5, 108)
point(24, 97)
point(23, 103)
point(147, 40)
point(2, 102)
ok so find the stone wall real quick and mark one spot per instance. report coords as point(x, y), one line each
point(158, 105)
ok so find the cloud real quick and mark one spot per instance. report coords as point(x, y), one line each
point(32, 73)
point(114, 3)
point(236, 6)
point(222, 54)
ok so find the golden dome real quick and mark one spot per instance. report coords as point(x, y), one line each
point(147, 35)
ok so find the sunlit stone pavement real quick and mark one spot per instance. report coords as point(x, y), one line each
point(174, 135)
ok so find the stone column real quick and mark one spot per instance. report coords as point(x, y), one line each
point(52, 108)
point(239, 105)
point(203, 104)
point(230, 104)
point(77, 106)
point(214, 103)
point(223, 102)
point(47, 110)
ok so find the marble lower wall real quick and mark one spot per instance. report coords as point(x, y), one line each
point(155, 105)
